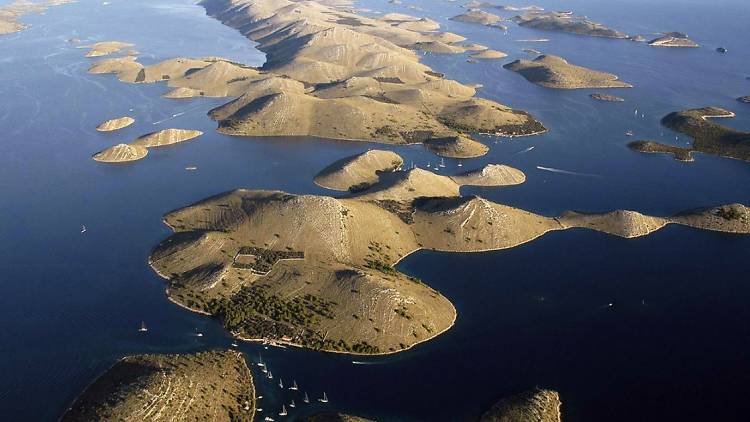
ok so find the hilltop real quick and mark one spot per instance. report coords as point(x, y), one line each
point(208, 385)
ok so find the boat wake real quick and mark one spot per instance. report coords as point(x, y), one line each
point(524, 151)
point(572, 173)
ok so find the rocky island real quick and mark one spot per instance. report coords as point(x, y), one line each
point(708, 136)
point(334, 74)
point(214, 385)
point(555, 72)
point(566, 22)
point(115, 124)
point(607, 97)
point(673, 39)
point(489, 55)
point(745, 99)
point(318, 272)
point(477, 16)
point(138, 149)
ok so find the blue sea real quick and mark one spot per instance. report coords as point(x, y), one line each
point(648, 329)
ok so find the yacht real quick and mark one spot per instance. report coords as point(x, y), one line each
point(306, 399)
point(198, 333)
point(191, 168)
point(83, 229)
point(324, 399)
point(292, 405)
point(270, 375)
point(143, 328)
point(629, 133)
point(268, 418)
point(283, 411)
point(234, 344)
point(442, 162)
point(260, 361)
point(281, 383)
point(294, 386)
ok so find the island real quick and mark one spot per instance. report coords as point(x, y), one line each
point(215, 385)
point(708, 136)
point(335, 417)
point(115, 124)
point(477, 16)
point(107, 48)
point(745, 99)
point(358, 172)
point(318, 272)
point(538, 405)
point(555, 72)
point(566, 22)
point(607, 97)
point(336, 75)
point(11, 12)
point(489, 55)
point(673, 39)
point(138, 149)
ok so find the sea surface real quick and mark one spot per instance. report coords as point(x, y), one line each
point(649, 329)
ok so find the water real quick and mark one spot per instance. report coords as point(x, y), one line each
point(672, 346)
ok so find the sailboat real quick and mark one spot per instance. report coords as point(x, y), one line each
point(268, 418)
point(442, 162)
point(198, 333)
point(264, 369)
point(306, 399)
point(260, 361)
point(294, 385)
point(143, 328)
point(281, 383)
point(283, 411)
point(460, 164)
point(270, 375)
point(324, 399)
point(292, 405)
point(234, 344)
point(83, 229)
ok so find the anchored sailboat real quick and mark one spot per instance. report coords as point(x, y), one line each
point(83, 229)
point(281, 383)
point(294, 385)
point(306, 399)
point(324, 399)
point(260, 361)
point(143, 328)
point(283, 411)
point(270, 375)
point(442, 162)
point(292, 404)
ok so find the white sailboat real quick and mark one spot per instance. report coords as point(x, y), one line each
point(306, 399)
point(269, 419)
point(281, 383)
point(324, 399)
point(260, 361)
point(283, 411)
point(442, 162)
point(143, 328)
point(198, 333)
point(292, 405)
point(294, 385)
point(270, 375)
point(83, 229)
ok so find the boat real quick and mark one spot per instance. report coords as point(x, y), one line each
point(264, 369)
point(324, 399)
point(259, 397)
point(258, 409)
point(268, 418)
point(294, 385)
point(283, 411)
point(428, 165)
point(270, 375)
point(460, 164)
point(83, 229)
point(442, 162)
point(306, 399)
point(629, 133)
point(234, 344)
point(281, 383)
point(191, 168)
point(198, 333)
point(292, 405)
point(143, 328)
point(260, 361)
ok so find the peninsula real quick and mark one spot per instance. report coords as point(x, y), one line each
point(334, 74)
point(318, 272)
point(213, 385)
point(555, 72)
point(11, 13)
point(708, 136)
